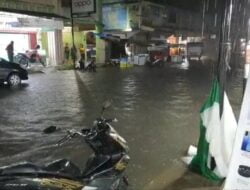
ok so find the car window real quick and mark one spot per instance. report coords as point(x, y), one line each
point(2, 62)
point(2, 59)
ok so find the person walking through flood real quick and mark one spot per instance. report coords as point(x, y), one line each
point(10, 51)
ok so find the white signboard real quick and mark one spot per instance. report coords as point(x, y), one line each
point(40, 23)
point(239, 169)
point(83, 6)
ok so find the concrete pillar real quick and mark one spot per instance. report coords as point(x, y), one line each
point(100, 44)
point(55, 47)
point(100, 51)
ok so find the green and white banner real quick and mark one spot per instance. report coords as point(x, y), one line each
point(216, 137)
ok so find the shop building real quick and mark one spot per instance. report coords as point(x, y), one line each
point(29, 23)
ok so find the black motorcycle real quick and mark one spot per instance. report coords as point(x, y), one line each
point(104, 169)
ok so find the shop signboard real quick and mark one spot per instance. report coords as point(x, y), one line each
point(115, 17)
point(83, 7)
point(239, 169)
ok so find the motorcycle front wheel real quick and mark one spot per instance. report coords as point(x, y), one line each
point(24, 62)
point(123, 185)
point(21, 60)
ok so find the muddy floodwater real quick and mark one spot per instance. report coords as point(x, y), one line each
point(157, 110)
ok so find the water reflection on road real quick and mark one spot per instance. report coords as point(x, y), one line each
point(157, 109)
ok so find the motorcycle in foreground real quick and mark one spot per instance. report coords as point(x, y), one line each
point(104, 169)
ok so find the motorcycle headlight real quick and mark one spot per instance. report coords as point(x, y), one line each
point(95, 123)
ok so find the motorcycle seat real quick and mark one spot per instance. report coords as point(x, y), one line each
point(63, 166)
point(25, 167)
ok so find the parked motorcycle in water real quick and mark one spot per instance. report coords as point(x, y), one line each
point(91, 66)
point(104, 169)
point(155, 62)
point(25, 59)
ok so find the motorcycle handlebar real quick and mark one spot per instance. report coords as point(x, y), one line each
point(83, 133)
point(71, 134)
point(110, 120)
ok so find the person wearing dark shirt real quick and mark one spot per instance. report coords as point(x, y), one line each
point(10, 51)
point(66, 51)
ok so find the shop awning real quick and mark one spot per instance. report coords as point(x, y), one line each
point(108, 37)
point(13, 20)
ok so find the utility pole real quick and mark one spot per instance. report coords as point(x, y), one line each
point(203, 18)
point(72, 33)
point(99, 25)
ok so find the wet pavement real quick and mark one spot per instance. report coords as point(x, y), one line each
point(157, 109)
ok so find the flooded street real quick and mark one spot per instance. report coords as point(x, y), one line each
point(157, 110)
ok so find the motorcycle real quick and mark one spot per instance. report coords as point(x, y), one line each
point(104, 169)
point(25, 59)
point(91, 66)
point(155, 62)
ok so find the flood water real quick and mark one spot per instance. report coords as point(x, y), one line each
point(157, 110)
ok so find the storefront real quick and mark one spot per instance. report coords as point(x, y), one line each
point(30, 23)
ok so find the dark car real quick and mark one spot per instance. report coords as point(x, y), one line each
point(12, 73)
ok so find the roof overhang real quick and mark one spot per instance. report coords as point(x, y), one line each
point(34, 13)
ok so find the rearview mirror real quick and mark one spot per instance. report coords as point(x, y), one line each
point(106, 104)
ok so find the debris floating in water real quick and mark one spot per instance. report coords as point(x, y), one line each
point(50, 129)
point(192, 151)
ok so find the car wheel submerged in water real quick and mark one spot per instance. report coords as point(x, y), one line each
point(14, 80)
point(12, 73)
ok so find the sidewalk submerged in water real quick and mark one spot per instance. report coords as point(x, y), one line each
point(193, 181)
point(41, 69)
